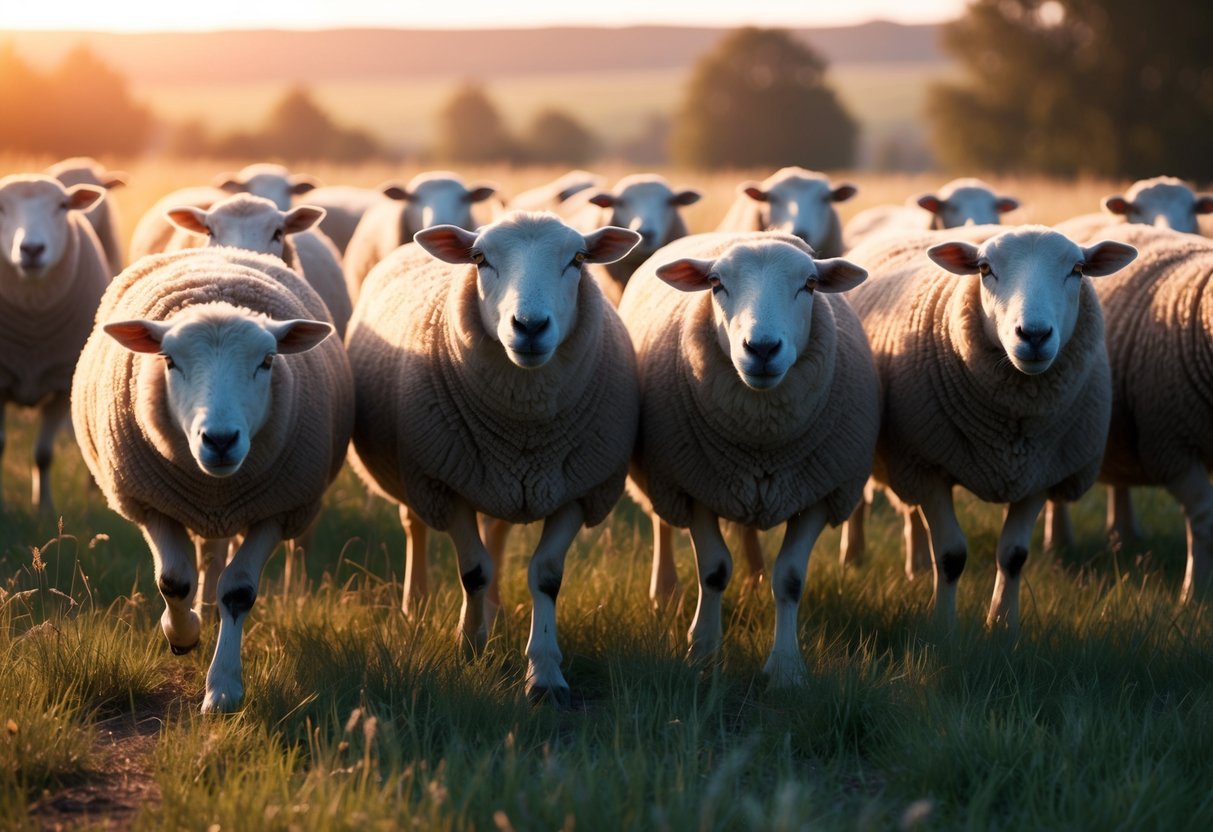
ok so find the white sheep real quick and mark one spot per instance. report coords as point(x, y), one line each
point(642, 202)
point(433, 198)
point(254, 223)
point(208, 402)
point(344, 206)
point(759, 404)
point(274, 182)
point(82, 170)
point(965, 201)
point(491, 376)
point(552, 195)
point(52, 275)
point(795, 201)
point(996, 381)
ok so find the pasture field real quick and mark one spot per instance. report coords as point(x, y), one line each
point(1099, 717)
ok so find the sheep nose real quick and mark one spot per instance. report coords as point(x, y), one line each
point(762, 350)
point(1034, 338)
point(32, 251)
point(530, 327)
point(220, 443)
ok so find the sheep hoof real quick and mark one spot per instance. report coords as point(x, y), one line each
point(181, 651)
point(784, 672)
point(220, 701)
point(557, 695)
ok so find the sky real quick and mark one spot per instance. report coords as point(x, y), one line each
point(182, 15)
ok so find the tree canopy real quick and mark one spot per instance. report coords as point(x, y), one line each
point(760, 99)
point(1106, 87)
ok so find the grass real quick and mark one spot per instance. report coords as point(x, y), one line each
point(1099, 717)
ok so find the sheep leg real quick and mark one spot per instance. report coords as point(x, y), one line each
point(853, 546)
point(663, 584)
point(294, 569)
point(212, 558)
point(1059, 528)
point(495, 532)
point(785, 666)
point(416, 577)
point(237, 594)
point(1195, 495)
point(177, 578)
point(1012, 553)
point(917, 543)
point(475, 572)
point(714, 565)
point(948, 549)
point(752, 550)
point(55, 411)
point(1122, 520)
point(543, 578)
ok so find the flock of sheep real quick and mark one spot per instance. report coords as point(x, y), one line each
point(583, 342)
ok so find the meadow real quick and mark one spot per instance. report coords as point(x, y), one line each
point(1100, 716)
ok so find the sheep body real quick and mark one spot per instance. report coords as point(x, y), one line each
point(960, 202)
point(344, 206)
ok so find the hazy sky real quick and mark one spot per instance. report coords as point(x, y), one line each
point(139, 15)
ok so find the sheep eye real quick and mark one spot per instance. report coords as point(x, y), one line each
point(278, 236)
point(1077, 270)
point(984, 268)
point(717, 288)
point(63, 206)
point(579, 257)
point(168, 361)
point(478, 258)
point(268, 361)
point(809, 286)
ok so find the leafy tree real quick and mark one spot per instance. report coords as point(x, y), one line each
point(1107, 87)
point(471, 130)
point(759, 99)
point(555, 137)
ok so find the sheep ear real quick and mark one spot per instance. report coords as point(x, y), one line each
point(602, 199)
point(843, 192)
point(448, 243)
point(1107, 257)
point(299, 335)
point(188, 218)
point(606, 245)
point(115, 179)
point(1005, 204)
point(958, 258)
point(754, 191)
point(930, 202)
point(137, 335)
point(1203, 204)
point(686, 197)
point(838, 275)
point(301, 184)
point(1116, 205)
point(83, 197)
point(228, 182)
point(687, 274)
point(302, 218)
point(480, 193)
point(394, 191)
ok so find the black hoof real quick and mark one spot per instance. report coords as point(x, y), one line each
point(559, 696)
point(181, 651)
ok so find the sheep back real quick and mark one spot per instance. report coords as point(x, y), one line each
point(441, 411)
point(754, 457)
point(138, 455)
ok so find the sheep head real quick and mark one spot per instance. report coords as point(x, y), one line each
point(246, 221)
point(966, 202)
point(34, 228)
point(649, 206)
point(1163, 201)
point(799, 202)
point(436, 198)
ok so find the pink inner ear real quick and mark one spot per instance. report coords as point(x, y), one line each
point(1204, 204)
point(1006, 204)
point(930, 202)
point(687, 275)
point(134, 335)
point(958, 258)
point(1116, 204)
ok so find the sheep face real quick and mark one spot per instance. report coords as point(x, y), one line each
point(801, 203)
point(528, 273)
point(437, 198)
point(648, 206)
point(1030, 284)
point(762, 295)
point(248, 222)
point(1164, 201)
point(966, 202)
point(218, 361)
point(272, 182)
point(34, 228)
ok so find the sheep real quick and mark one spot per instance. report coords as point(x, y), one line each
point(552, 195)
point(153, 231)
point(256, 224)
point(491, 376)
point(210, 402)
point(997, 381)
point(759, 404)
point(433, 198)
point(52, 275)
point(795, 201)
point(103, 216)
point(344, 206)
point(644, 203)
point(960, 202)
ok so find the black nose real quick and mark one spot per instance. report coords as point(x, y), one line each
point(1034, 338)
point(220, 443)
point(528, 327)
point(762, 350)
point(32, 251)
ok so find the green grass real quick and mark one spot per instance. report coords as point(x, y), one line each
point(1100, 717)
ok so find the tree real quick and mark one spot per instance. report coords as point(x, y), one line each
point(471, 130)
point(555, 137)
point(1107, 87)
point(759, 99)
